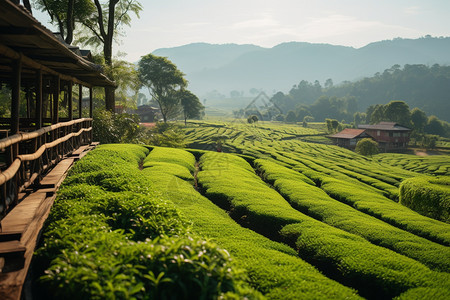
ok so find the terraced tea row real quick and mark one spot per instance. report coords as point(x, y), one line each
point(230, 182)
point(111, 235)
point(273, 268)
point(314, 202)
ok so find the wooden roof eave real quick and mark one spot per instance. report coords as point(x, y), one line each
point(89, 74)
point(10, 53)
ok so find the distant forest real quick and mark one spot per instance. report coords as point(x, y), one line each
point(427, 88)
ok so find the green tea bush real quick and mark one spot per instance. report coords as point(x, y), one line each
point(350, 258)
point(172, 155)
point(109, 238)
point(377, 272)
point(272, 268)
point(315, 202)
point(387, 210)
point(429, 196)
point(425, 293)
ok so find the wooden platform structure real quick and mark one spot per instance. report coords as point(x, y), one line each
point(44, 129)
point(22, 226)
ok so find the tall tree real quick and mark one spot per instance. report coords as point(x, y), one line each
point(419, 119)
point(378, 114)
point(192, 107)
point(163, 79)
point(103, 20)
point(398, 111)
point(105, 25)
point(66, 13)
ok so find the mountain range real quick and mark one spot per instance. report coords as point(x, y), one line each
point(231, 67)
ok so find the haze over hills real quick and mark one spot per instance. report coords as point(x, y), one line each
point(231, 67)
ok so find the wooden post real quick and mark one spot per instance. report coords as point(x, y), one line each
point(28, 98)
point(15, 101)
point(38, 111)
point(91, 104)
point(70, 99)
point(56, 92)
point(80, 101)
point(15, 95)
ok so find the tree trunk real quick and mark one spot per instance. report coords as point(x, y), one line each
point(70, 22)
point(107, 54)
point(27, 5)
point(110, 100)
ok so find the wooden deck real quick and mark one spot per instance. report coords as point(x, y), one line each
point(20, 229)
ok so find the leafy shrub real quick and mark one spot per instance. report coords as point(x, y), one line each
point(272, 268)
point(348, 257)
point(367, 147)
point(316, 203)
point(165, 135)
point(170, 155)
point(108, 237)
point(429, 196)
point(109, 127)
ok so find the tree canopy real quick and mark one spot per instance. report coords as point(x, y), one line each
point(100, 22)
point(192, 107)
point(163, 80)
point(418, 85)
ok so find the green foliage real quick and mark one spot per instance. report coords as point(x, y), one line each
point(252, 119)
point(126, 78)
point(367, 147)
point(173, 156)
point(192, 108)
point(429, 196)
point(440, 293)
point(311, 200)
point(165, 135)
point(398, 112)
point(163, 79)
point(272, 268)
point(432, 164)
point(116, 128)
point(291, 117)
point(353, 259)
point(436, 127)
point(419, 119)
point(101, 32)
point(105, 242)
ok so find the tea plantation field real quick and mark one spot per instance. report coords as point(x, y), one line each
point(274, 218)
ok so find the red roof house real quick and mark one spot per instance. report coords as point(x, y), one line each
point(390, 136)
point(349, 137)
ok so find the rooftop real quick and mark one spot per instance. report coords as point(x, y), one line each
point(385, 126)
point(349, 133)
point(21, 34)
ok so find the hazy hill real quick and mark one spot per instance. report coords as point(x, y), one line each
point(241, 67)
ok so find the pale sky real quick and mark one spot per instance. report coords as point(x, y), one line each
point(356, 23)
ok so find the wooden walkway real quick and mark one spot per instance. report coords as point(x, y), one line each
point(21, 227)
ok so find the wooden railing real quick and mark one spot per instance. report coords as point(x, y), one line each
point(29, 155)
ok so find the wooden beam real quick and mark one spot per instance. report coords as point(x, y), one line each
point(70, 99)
point(56, 92)
point(15, 95)
point(10, 53)
point(38, 110)
point(80, 101)
point(91, 104)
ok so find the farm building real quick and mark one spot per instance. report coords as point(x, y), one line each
point(390, 136)
point(43, 123)
point(349, 137)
